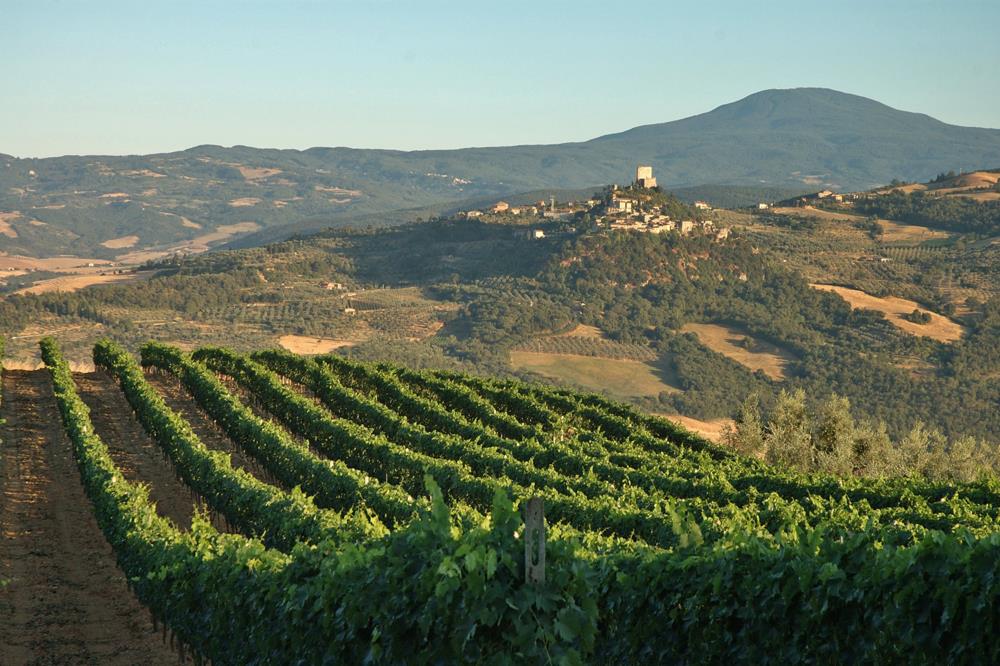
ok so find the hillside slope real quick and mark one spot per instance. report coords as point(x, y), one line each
point(187, 200)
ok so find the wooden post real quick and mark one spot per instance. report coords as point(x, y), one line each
point(534, 541)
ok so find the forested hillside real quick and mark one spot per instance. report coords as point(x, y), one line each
point(709, 322)
point(773, 141)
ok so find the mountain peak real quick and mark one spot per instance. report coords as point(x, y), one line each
point(817, 106)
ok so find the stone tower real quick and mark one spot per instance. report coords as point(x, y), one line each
point(644, 176)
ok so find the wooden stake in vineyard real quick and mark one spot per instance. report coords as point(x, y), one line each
point(534, 541)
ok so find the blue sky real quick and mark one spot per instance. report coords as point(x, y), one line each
point(149, 76)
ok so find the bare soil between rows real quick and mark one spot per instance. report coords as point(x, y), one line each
point(63, 599)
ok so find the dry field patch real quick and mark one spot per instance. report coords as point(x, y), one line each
point(257, 173)
point(894, 232)
point(618, 378)
point(977, 180)
point(980, 196)
point(905, 189)
point(62, 263)
point(764, 356)
point(68, 283)
point(583, 331)
point(193, 246)
point(5, 219)
point(711, 430)
point(809, 211)
point(244, 202)
point(305, 344)
point(338, 190)
point(939, 328)
point(144, 172)
point(185, 222)
point(119, 243)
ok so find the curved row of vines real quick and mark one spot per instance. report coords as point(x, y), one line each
point(391, 533)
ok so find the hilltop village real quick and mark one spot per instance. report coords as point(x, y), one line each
point(641, 206)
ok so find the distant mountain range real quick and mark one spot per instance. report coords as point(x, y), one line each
point(777, 139)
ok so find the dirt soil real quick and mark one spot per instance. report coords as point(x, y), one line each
point(179, 400)
point(769, 358)
point(712, 430)
point(63, 599)
point(940, 327)
point(135, 454)
point(68, 283)
point(304, 344)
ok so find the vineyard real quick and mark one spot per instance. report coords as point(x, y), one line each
point(274, 508)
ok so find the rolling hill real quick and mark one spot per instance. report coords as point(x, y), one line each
point(188, 200)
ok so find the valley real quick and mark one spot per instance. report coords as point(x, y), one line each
point(597, 299)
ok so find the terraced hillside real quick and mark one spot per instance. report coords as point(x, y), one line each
point(281, 499)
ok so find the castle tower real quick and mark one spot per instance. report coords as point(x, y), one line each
point(644, 176)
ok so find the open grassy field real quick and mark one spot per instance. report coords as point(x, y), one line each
point(583, 331)
point(585, 340)
point(194, 246)
point(712, 430)
point(119, 243)
point(809, 211)
point(894, 232)
point(304, 344)
point(758, 355)
point(940, 327)
point(619, 378)
point(76, 282)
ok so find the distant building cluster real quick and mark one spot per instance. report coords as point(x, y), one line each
point(544, 209)
point(824, 196)
point(627, 208)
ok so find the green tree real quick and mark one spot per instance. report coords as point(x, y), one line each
point(874, 455)
point(789, 441)
point(834, 437)
point(747, 436)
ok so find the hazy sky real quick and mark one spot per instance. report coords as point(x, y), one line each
point(148, 76)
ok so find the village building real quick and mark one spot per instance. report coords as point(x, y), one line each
point(687, 226)
point(500, 207)
point(619, 205)
point(701, 205)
